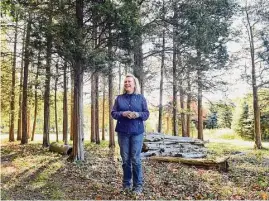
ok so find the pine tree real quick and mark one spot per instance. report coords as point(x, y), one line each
point(245, 125)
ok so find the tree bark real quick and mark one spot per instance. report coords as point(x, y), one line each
point(103, 117)
point(175, 52)
point(182, 113)
point(19, 133)
point(138, 60)
point(24, 139)
point(97, 135)
point(96, 83)
point(72, 106)
point(46, 131)
point(93, 136)
point(161, 86)
point(55, 104)
point(137, 50)
point(12, 102)
point(28, 123)
point(120, 79)
point(36, 98)
point(200, 96)
point(256, 107)
point(78, 135)
point(188, 118)
point(110, 92)
point(65, 108)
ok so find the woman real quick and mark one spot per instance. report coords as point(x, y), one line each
point(130, 110)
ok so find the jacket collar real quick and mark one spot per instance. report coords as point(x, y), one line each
point(129, 94)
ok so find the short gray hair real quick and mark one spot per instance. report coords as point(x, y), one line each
point(137, 89)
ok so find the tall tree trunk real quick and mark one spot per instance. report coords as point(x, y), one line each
point(28, 123)
point(103, 116)
point(36, 98)
point(78, 135)
point(46, 140)
point(97, 109)
point(182, 113)
point(93, 136)
point(161, 86)
point(174, 104)
point(180, 77)
point(24, 139)
point(110, 92)
point(12, 102)
point(55, 104)
point(19, 133)
point(137, 50)
point(188, 120)
point(96, 85)
point(256, 107)
point(65, 108)
point(72, 106)
point(200, 97)
point(119, 79)
point(138, 60)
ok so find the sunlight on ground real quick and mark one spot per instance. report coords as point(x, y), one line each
point(39, 137)
point(31, 171)
point(239, 143)
point(228, 136)
point(211, 135)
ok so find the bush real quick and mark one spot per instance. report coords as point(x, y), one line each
point(265, 126)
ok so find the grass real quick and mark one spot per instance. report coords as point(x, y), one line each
point(224, 134)
point(32, 172)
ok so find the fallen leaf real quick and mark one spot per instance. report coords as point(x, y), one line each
point(264, 195)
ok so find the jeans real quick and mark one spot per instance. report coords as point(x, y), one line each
point(130, 149)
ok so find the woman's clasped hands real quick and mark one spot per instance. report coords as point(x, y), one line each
point(130, 115)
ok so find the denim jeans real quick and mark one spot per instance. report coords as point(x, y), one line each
point(130, 149)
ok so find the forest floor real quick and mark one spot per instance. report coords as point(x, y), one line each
point(30, 172)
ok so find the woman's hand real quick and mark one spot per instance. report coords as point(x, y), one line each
point(130, 115)
point(126, 113)
point(133, 115)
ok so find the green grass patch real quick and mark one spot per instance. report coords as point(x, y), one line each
point(226, 134)
point(103, 144)
point(53, 192)
point(4, 195)
point(236, 147)
point(220, 149)
point(48, 171)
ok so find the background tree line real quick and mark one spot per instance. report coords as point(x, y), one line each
point(50, 49)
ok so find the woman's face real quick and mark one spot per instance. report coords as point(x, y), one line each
point(129, 84)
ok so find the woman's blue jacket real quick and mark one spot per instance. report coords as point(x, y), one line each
point(134, 103)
